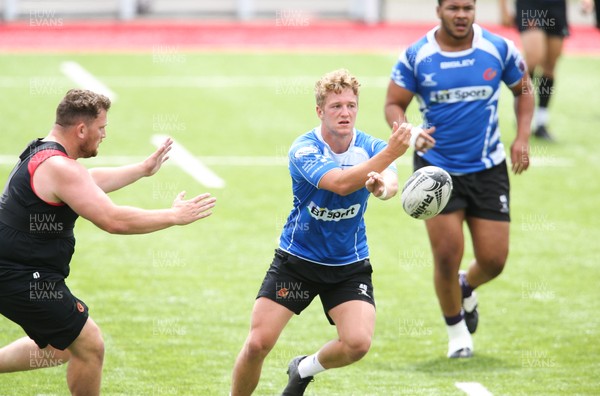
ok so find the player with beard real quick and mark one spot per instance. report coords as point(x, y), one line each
point(456, 72)
point(44, 195)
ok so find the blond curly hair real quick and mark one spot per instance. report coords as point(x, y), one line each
point(335, 81)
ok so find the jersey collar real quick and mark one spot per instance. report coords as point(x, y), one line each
point(477, 33)
point(319, 136)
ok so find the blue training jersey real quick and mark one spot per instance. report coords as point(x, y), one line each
point(458, 93)
point(324, 227)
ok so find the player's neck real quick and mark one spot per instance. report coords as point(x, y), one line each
point(451, 44)
point(57, 136)
point(338, 143)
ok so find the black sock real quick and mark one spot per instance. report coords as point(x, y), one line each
point(452, 320)
point(467, 290)
point(545, 87)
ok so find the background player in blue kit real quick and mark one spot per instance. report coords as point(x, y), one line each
point(456, 72)
point(543, 27)
point(323, 247)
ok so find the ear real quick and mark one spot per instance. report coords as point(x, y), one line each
point(319, 112)
point(80, 129)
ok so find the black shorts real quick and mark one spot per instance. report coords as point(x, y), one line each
point(48, 312)
point(549, 16)
point(484, 194)
point(294, 283)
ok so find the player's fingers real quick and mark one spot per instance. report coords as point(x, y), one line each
point(206, 204)
point(199, 198)
point(518, 168)
point(429, 130)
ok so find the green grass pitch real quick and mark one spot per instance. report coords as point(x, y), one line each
point(174, 306)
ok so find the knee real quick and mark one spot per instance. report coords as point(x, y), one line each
point(257, 346)
point(446, 270)
point(96, 345)
point(493, 266)
point(358, 347)
point(91, 346)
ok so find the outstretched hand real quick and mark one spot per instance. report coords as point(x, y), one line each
point(375, 184)
point(188, 211)
point(152, 164)
point(399, 142)
point(422, 138)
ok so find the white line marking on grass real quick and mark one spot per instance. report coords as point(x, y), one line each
point(85, 79)
point(117, 160)
point(283, 84)
point(256, 161)
point(473, 388)
point(190, 164)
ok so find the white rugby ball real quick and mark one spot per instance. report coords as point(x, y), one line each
point(426, 192)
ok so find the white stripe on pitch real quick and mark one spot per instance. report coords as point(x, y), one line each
point(259, 161)
point(290, 85)
point(473, 388)
point(190, 164)
point(85, 79)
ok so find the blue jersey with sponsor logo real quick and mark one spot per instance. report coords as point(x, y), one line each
point(324, 227)
point(458, 93)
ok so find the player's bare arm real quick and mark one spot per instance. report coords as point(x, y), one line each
point(111, 179)
point(507, 17)
point(61, 179)
point(347, 181)
point(524, 108)
point(396, 102)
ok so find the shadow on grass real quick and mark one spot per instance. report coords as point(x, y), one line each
point(479, 363)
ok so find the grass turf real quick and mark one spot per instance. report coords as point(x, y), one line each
point(174, 306)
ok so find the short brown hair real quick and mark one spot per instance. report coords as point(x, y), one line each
point(335, 81)
point(80, 105)
point(441, 1)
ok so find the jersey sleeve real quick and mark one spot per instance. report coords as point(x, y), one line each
point(403, 72)
point(515, 67)
point(308, 161)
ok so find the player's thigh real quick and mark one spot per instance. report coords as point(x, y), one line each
point(490, 240)
point(446, 237)
point(268, 321)
point(355, 321)
point(89, 342)
point(534, 47)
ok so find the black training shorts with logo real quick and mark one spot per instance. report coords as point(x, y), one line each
point(547, 15)
point(294, 283)
point(48, 312)
point(484, 194)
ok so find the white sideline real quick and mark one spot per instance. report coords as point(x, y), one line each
point(473, 388)
point(85, 79)
point(190, 164)
point(115, 160)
